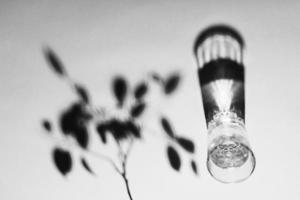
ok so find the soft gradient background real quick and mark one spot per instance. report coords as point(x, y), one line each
point(97, 39)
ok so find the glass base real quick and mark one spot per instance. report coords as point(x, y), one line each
point(230, 158)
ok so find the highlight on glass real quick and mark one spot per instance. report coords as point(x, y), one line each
point(219, 54)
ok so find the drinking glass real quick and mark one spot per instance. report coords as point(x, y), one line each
point(219, 54)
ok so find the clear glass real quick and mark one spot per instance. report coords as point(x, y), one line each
point(219, 52)
point(230, 158)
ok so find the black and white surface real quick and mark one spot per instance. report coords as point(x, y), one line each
point(98, 39)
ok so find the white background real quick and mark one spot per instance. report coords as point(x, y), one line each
point(98, 39)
